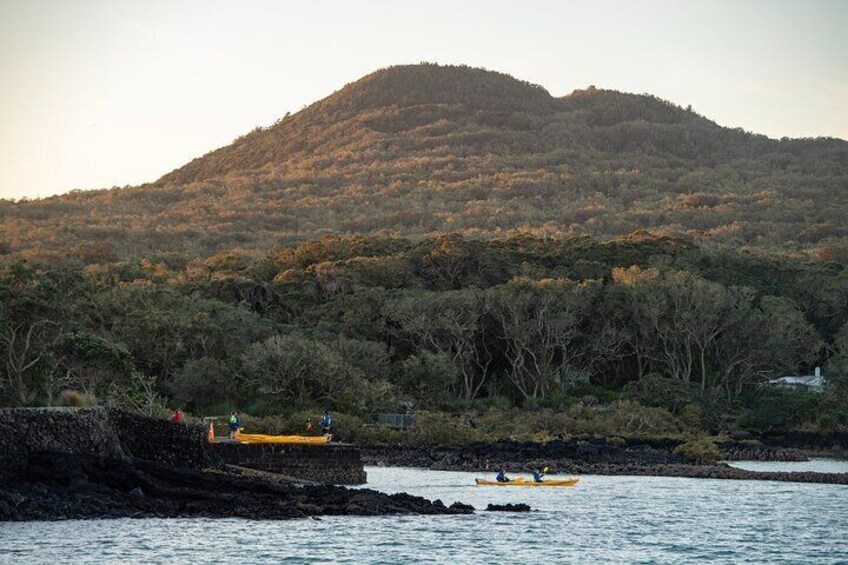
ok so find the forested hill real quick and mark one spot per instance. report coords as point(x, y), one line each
point(426, 149)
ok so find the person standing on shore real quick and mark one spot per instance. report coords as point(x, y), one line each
point(234, 424)
point(177, 417)
point(325, 423)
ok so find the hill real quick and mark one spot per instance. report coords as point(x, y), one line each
point(425, 149)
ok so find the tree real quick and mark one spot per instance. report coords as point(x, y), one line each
point(837, 365)
point(295, 367)
point(164, 328)
point(538, 325)
point(36, 304)
point(451, 262)
point(94, 364)
point(678, 317)
point(772, 337)
point(451, 324)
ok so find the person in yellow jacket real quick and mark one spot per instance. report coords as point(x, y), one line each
point(234, 424)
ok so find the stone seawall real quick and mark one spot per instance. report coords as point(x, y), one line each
point(117, 434)
point(79, 431)
point(102, 432)
point(330, 464)
point(155, 439)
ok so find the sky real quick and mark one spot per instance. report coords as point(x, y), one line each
point(102, 93)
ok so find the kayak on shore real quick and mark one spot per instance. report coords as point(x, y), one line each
point(522, 482)
point(289, 440)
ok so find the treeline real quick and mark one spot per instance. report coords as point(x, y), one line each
point(370, 324)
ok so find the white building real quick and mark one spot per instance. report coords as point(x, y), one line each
point(812, 383)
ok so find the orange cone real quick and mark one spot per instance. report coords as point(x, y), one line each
point(211, 432)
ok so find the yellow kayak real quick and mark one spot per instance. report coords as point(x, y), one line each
point(291, 440)
point(522, 482)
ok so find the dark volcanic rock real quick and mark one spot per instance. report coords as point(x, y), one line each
point(739, 451)
point(524, 456)
point(57, 486)
point(521, 507)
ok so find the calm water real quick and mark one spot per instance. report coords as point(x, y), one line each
point(602, 520)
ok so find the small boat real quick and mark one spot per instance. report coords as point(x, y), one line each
point(522, 482)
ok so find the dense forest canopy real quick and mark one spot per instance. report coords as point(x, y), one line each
point(419, 150)
point(453, 239)
point(367, 324)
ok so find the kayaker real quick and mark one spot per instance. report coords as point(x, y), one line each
point(539, 476)
point(502, 478)
point(234, 424)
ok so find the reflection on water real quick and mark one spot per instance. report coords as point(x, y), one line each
point(602, 519)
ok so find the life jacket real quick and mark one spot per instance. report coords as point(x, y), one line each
point(233, 419)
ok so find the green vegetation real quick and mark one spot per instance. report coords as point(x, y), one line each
point(504, 338)
point(423, 150)
point(512, 264)
point(699, 449)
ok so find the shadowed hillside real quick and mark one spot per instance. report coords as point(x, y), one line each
point(426, 149)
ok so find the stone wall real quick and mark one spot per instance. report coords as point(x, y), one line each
point(122, 435)
point(155, 439)
point(103, 433)
point(85, 431)
point(329, 464)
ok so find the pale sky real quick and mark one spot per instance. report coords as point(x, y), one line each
point(103, 93)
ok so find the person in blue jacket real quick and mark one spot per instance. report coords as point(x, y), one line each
point(325, 423)
point(539, 476)
point(501, 477)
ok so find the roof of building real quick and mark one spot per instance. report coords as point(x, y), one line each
point(805, 380)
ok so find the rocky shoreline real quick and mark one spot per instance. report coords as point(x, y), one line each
point(96, 463)
point(651, 458)
point(62, 464)
point(58, 486)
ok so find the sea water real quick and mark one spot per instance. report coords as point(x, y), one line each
point(618, 519)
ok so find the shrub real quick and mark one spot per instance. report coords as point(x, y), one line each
point(782, 409)
point(201, 383)
point(363, 397)
point(75, 398)
point(699, 450)
point(437, 428)
point(662, 392)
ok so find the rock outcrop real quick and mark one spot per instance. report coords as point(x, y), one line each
point(520, 507)
point(59, 486)
point(96, 463)
point(752, 451)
